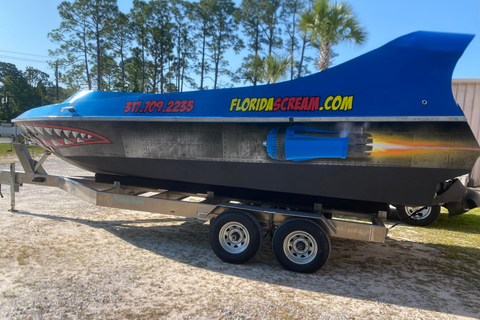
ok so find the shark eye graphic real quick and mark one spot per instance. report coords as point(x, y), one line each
point(59, 137)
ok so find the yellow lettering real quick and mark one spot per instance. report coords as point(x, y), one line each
point(336, 103)
point(246, 102)
point(327, 101)
point(233, 104)
point(253, 106)
point(269, 105)
point(238, 108)
point(262, 104)
point(347, 103)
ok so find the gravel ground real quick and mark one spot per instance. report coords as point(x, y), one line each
point(62, 258)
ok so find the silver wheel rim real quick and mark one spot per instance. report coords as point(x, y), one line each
point(234, 237)
point(423, 214)
point(300, 247)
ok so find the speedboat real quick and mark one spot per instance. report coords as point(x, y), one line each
point(380, 129)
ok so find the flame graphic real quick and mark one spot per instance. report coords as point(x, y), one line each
point(391, 146)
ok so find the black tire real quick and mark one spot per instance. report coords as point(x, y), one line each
point(235, 236)
point(301, 245)
point(425, 217)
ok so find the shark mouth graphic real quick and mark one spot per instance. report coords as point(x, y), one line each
point(59, 137)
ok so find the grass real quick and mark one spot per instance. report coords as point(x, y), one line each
point(6, 149)
point(457, 240)
point(22, 258)
point(463, 229)
point(8, 295)
point(8, 155)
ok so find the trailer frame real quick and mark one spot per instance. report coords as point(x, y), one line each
point(270, 216)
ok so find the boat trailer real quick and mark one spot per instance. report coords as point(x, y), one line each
point(300, 236)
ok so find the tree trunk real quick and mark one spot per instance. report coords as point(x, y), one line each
point(257, 47)
point(183, 72)
point(178, 61)
point(89, 82)
point(155, 75)
point(56, 80)
point(292, 39)
point(122, 65)
point(216, 73)
point(270, 43)
point(161, 77)
point(7, 104)
point(143, 59)
point(99, 68)
point(324, 59)
point(217, 60)
point(203, 61)
point(301, 56)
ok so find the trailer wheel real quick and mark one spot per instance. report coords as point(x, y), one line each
point(301, 245)
point(235, 236)
point(426, 216)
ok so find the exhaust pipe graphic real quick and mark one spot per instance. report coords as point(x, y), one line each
point(301, 143)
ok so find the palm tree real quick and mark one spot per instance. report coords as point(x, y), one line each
point(328, 25)
point(274, 68)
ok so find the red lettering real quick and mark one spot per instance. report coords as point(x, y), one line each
point(128, 106)
point(136, 105)
point(277, 104)
point(283, 107)
point(183, 106)
point(169, 106)
point(159, 105)
point(304, 106)
point(314, 103)
point(298, 101)
point(291, 104)
point(190, 105)
point(177, 106)
point(150, 106)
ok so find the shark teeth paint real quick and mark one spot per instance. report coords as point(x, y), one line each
point(58, 137)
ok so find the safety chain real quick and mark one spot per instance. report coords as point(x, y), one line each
point(412, 216)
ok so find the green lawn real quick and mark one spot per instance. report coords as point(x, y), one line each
point(6, 148)
point(457, 239)
point(464, 229)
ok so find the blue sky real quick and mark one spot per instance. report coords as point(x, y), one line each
point(24, 25)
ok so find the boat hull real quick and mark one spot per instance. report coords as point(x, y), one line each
point(398, 163)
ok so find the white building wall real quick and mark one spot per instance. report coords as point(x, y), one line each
point(9, 130)
point(467, 94)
